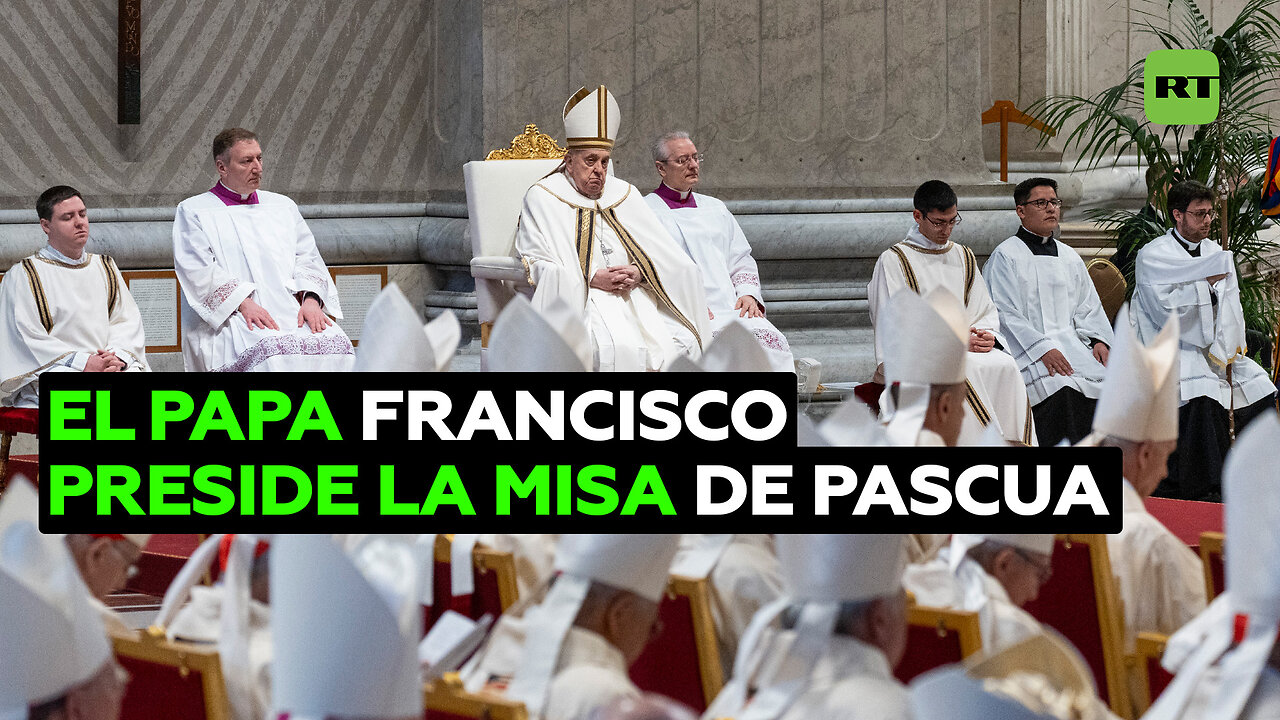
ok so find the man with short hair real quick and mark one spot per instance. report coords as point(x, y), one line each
point(64, 309)
point(993, 575)
point(56, 658)
point(569, 655)
point(256, 294)
point(928, 259)
point(1179, 273)
point(1051, 315)
point(835, 644)
point(588, 238)
point(705, 229)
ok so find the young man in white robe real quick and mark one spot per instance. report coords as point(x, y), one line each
point(827, 649)
point(1180, 273)
point(705, 229)
point(928, 259)
point(64, 309)
point(588, 238)
point(1227, 660)
point(568, 655)
point(1051, 315)
point(1161, 580)
point(993, 575)
point(256, 294)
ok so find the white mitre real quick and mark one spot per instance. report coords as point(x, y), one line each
point(345, 628)
point(394, 338)
point(1140, 392)
point(734, 349)
point(1239, 638)
point(51, 637)
point(524, 340)
point(926, 339)
point(591, 119)
point(961, 543)
point(636, 563)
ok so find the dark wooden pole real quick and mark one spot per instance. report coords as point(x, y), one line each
point(129, 63)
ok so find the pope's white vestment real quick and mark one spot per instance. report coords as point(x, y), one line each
point(996, 391)
point(1045, 303)
point(1210, 318)
point(565, 237)
point(226, 253)
point(712, 237)
point(55, 312)
point(969, 587)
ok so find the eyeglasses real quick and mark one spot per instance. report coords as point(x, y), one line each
point(940, 224)
point(1044, 203)
point(1043, 571)
point(686, 159)
point(1201, 215)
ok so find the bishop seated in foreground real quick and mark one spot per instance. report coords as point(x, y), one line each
point(589, 238)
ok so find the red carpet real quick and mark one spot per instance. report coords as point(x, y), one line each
point(161, 560)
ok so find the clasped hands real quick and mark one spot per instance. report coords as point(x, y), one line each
point(619, 279)
point(103, 361)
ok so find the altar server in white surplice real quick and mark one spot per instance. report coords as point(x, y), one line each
point(63, 309)
point(1227, 660)
point(588, 239)
point(1051, 315)
point(705, 229)
point(928, 259)
point(828, 647)
point(1180, 273)
point(256, 294)
point(1161, 579)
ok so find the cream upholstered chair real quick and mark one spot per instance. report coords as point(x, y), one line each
point(495, 194)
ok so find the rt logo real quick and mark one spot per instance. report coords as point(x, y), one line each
point(1180, 87)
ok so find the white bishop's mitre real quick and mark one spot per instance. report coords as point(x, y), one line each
point(841, 568)
point(524, 340)
point(925, 341)
point(394, 338)
point(345, 628)
point(1140, 392)
point(591, 119)
point(51, 636)
point(636, 563)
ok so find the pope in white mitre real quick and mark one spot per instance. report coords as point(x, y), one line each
point(256, 293)
point(588, 238)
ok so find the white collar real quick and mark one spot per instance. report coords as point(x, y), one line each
point(684, 194)
point(1183, 241)
point(915, 237)
point(233, 192)
point(52, 253)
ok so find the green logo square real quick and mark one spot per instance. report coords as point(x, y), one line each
point(1180, 87)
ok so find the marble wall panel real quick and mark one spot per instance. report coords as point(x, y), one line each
point(855, 54)
point(791, 69)
point(666, 86)
point(729, 70)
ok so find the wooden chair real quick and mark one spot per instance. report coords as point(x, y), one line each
point(170, 679)
point(495, 194)
point(496, 588)
point(936, 637)
point(1149, 675)
point(683, 662)
point(446, 699)
point(1082, 601)
point(1215, 578)
point(12, 422)
point(1109, 282)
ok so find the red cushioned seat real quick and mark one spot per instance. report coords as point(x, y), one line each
point(682, 661)
point(936, 637)
point(494, 575)
point(1215, 577)
point(869, 393)
point(19, 420)
point(171, 680)
point(1152, 677)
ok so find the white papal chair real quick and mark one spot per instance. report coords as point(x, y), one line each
point(495, 193)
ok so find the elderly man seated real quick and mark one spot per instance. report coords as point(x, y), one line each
point(703, 227)
point(588, 238)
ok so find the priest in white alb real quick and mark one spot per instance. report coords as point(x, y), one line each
point(1182, 274)
point(256, 294)
point(704, 228)
point(588, 238)
point(64, 309)
point(928, 259)
point(1051, 315)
